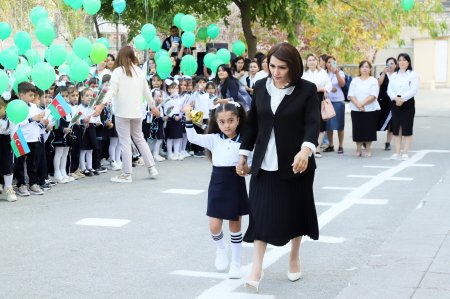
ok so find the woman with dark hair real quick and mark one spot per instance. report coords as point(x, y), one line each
point(385, 115)
point(228, 85)
point(263, 66)
point(106, 67)
point(363, 95)
point(402, 88)
point(282, 128)
point(128, 87)
point(238, 70)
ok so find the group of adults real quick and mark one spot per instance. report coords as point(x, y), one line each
point(282, 129)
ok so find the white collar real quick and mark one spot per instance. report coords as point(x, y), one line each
point(270, 86)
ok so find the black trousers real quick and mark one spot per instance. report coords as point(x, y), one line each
point(32, 160)
point(75, 149)
point(43, 167)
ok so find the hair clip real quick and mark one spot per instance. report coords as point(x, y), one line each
point(236, 104)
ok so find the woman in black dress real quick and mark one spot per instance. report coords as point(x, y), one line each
point(282, 128)
point(385, 115)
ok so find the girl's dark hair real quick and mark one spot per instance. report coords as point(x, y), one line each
point(407, 58)
point(83, 92)
point(213, 126)
point(392, 58)
point(228, 81)
point(125, 59)
point(155, 76)
point(361, 65)
point(290, 55)
point(210, 83)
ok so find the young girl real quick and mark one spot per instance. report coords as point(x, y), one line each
point(212, 92)
point(157, 126)
point(77, 133)
point(62, 142)
point(227, 192)
point(6, 162)
point(89, 139)
point(174, 129)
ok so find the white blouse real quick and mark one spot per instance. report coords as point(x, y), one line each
point(361, 89)
point(338, 95)
point(225, 151)
point(404, 84)
point(318, 77)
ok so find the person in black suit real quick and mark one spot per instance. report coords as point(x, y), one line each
point(282, 128)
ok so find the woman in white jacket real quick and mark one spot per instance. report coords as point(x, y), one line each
point(128, 88)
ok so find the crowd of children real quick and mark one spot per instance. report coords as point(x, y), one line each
point(81, 145)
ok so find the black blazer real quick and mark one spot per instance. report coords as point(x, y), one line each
point(296, 120)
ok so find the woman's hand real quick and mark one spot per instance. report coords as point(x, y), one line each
point(242, 167)
point(301, 160)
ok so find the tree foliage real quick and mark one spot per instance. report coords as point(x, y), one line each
point(353, 29)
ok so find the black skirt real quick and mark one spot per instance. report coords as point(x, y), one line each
point(403, 117)
point(6, 155)
point(364, 125)
point(323, 124)
point(227, 194)
point(174, 129)
point(157, 129)
point(281, 210)
point(89, 138)
point(60, 139)
point(112, 132)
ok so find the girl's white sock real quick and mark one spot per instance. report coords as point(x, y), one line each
point(236, 245)
point(218, 239)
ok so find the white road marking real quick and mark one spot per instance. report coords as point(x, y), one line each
point(103, 222)
point(368, 201)
point(319, 203)
point(378, 166)
point(338, 188)
point(372, 176)
point(183, 191)
point(215, 275)
point(423, 165)
point(226, 287)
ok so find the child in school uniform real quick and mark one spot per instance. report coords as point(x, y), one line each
point(227, 192)
point(89, 137)
point(201, 103)
point(174, 128)
point(6, 154)
point(76, 134)
point(157, 126)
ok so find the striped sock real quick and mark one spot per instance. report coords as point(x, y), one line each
point(218, 239)
point(236, 245)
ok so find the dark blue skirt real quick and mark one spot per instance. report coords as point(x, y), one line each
point(6, 154)
point(227, 194)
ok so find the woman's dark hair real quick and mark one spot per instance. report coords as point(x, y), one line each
point(361, 65)
point(112, 57)
point(213, 126)
point(289, 54)
point(407, 58)
point(392, 58)
point(234, 66)
point(323, 57)
point(329, 57)
point(259, 57)
point(125, 59)
point(229, 83)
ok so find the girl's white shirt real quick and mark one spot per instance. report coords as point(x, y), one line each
point(318, 77)
point(361, 89)
point(404, 84)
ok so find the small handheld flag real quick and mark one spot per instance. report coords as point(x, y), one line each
point(19, 144)
point(59, 107)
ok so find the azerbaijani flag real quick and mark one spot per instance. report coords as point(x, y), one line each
point(59, 107)
point(19, 144)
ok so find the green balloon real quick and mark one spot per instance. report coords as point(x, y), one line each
point(407, 4)
point(43, 75)
point(188, 39)
point(92, 6)
point(155, 44)
point(88, 61)
point(208, 59)
point(9, 58)
point(160, 53)
point(189, 65)
point(4, 81)
point(17, 111)
point(75, 4)
point(23, 68)
point(188, 23)
point(104, 41)
point(22, 40)
point(71, 58)
point(56, 55)
point(82, 47)
point(79, 70)
point(224, 55)
point(33, 57)
point(202, 33)
point(140, 43)
point(164, 66)
point(5, 30)
point(148, 31)
point(63, 69)
point(19, 76)
point(177, 19)
point(45, 32)
point(98, 53)
point(215, 65)
point(38, 13)
point(238, 48)
point(213, 31)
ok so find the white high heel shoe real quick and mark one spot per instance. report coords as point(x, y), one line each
point(254, 284)
point(294, 276)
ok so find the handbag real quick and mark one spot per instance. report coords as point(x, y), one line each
point(327, 109)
